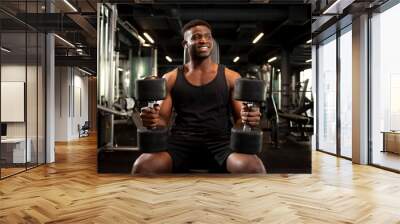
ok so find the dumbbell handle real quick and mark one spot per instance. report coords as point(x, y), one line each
point(150, 105)
point(246, 126)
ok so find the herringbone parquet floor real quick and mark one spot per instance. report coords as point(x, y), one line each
point(70, 191)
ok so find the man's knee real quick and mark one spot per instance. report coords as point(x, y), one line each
point(243, 163)
point(152, 163)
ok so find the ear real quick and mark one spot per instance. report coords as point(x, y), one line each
point(184, 44)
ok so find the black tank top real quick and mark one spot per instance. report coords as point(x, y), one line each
point(201, 110)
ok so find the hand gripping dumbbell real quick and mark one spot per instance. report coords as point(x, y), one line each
point(151, 90)
point(246, 139)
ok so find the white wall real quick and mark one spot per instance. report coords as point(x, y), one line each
point(16, 73)
point(62, 82)
point(80, 111)
point(9, 73)
point(33, 126)
point(71, 102)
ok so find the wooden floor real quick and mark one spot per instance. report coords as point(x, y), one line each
point(5, 172)
point(70, 191)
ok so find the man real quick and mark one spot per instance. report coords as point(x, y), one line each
point(201, 94)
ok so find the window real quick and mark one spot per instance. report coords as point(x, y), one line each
point(385, 87)
point(346, 92)
point(327, 95)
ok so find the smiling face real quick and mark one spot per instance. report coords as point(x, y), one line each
point(199, 41)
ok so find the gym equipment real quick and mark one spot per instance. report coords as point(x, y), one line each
point(248, 140)
point(299, 121)
point(252, 72)
point(273, 118)
point(150, 90)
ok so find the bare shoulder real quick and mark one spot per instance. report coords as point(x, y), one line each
point(231, 76)
point(171, 74)
point(171, 78)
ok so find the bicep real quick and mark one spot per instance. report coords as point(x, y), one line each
point(236, 106)
point(166, 108)
point(166, 104)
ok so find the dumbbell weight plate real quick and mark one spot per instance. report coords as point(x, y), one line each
point(250, 90)
point(152, 140)
point(247, 142)
point(150, 89)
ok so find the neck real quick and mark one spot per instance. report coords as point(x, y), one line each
point(202, 64)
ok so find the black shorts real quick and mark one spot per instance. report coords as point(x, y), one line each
point(199, 152)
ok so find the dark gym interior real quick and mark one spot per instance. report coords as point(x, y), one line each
point(286, 30)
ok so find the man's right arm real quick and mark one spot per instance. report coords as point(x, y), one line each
point(160, 115)
point(166, 104)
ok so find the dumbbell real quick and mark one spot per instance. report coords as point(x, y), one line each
point(246, 139)
point(151, 90)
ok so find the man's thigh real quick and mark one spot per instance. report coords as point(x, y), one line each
point(182, 153)
point(219, 150)
point(199, 153)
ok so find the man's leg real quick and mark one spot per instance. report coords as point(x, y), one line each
point(153, 163)
point(244, 163)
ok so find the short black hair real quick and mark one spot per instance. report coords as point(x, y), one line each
point(195, 22)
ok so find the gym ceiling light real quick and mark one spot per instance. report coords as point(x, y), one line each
point(148, 37)
point(258, 37)
point(5, 50)
point(236, 59)
point(272, 59)
point(141, 40)
point(309, 41)
point(70, 5)
point(64, 40)
point(79, 51)
point(168, 59)
point(309, 60)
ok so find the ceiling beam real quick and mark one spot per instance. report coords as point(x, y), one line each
point(83, 61)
